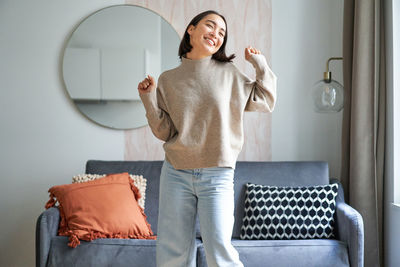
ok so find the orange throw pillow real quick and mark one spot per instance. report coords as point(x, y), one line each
point(103, 208)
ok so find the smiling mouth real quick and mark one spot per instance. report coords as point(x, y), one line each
point(209, 41)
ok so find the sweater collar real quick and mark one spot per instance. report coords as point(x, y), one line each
point(196, 63)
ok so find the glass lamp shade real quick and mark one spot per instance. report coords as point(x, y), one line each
point(327, 96)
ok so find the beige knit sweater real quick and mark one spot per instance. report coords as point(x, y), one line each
point(197, 109)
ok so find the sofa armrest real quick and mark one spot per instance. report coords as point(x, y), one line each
point(349, 228)
point(46, 228)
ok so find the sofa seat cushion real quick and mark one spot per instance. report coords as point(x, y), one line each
point(307, 252)
point(103, 252)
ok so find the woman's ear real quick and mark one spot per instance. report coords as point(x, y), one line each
point(190, 29)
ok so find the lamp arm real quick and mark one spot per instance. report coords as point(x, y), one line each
point(327, 74)
point(329, 60)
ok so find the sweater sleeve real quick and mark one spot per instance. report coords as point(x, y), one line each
point(263, 89)
point(157, 115)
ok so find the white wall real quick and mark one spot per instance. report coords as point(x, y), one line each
point(392, 170)
point(45, 140)
point(304, 35)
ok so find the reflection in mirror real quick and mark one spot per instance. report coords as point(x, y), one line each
point(106, 57)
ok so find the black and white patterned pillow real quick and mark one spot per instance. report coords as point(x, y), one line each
point(273, 212)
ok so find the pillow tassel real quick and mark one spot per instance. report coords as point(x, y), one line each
point(73, 241)
point(119, 235)
point(52, 201)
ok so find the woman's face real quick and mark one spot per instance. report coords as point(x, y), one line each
point(208, 35)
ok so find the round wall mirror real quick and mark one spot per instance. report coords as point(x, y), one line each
point(108, 54)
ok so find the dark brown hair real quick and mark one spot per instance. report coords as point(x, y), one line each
point(186, 47)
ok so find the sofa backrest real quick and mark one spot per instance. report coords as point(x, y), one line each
point(265, 173)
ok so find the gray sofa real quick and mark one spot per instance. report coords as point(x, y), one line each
point(345, 250)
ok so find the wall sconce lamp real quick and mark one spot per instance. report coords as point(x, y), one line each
point(327, 93)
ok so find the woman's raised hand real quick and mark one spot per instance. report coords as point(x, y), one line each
point(248, 51)
point(147, 85)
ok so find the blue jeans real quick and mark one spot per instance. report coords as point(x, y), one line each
point(183, 194)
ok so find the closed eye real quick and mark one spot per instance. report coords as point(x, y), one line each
point(212, 27)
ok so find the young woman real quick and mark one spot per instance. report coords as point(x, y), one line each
point(197, 109)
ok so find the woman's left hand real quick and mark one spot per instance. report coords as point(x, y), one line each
point(248, 51)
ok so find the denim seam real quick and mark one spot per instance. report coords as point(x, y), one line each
point(193, 186)
point(192, 241)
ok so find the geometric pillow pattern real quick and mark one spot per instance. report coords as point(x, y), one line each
point(139, 181)
point(273, 212)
